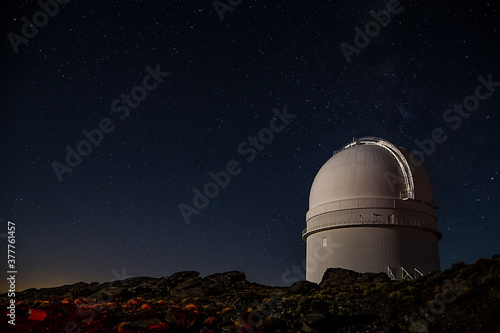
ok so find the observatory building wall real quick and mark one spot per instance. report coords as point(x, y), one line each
point(371, 249)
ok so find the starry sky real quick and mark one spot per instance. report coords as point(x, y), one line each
point(216, 77)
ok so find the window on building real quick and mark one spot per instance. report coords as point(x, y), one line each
point(324, 242)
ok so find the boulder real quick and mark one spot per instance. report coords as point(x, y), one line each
point(341, 277)
point(302, 288)
point(190, 288)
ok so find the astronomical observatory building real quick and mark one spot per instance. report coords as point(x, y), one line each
point(371, 210)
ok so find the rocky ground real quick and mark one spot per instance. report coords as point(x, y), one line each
point(464, 298)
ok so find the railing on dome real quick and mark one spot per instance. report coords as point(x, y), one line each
point(372, 221)
point(409, 193)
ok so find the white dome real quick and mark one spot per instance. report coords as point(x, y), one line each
point(369, 168)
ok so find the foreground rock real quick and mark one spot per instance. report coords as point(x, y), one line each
point(464, 298)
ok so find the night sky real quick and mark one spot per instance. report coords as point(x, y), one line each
point(215, 84)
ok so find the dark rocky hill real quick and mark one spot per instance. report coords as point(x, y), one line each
point(464, 298)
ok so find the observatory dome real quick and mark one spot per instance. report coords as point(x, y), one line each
point(371, 210)
point(370, 168)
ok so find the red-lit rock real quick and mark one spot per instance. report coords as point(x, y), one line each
point(37, 315)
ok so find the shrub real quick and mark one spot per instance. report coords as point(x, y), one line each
point(464, 292)
point(473, 279)
point(131, 302)
point(191, 308)
point(396, 295)
point(448, 293)
point(466, 272)
point(486, 279)
point(388, 288)
point(458, 265)
point(408, 299)
point(210, 321)
point(225, 310)
point(410, 290)
point(434, 279)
